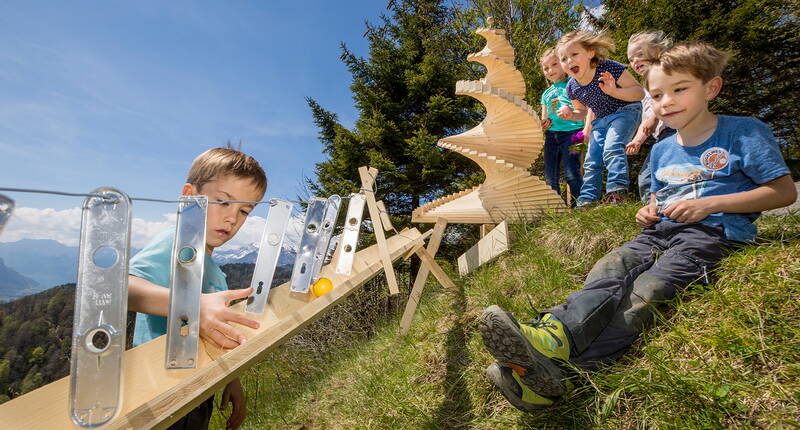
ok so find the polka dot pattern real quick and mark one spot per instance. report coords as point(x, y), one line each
point(592, 96)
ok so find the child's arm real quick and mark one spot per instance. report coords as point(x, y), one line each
point(215, 315)
point(625, 88)
point(776, 193)
point(577, 113)
point(646, 129)
point(648, 215)
point(587, 124)
point(546, 122)
point(233, 393)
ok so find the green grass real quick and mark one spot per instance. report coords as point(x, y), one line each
point(724, 356)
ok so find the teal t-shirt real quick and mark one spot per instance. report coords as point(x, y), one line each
point(152, 263)
point(552, 99)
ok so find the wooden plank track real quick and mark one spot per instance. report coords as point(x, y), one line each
point(154, 397)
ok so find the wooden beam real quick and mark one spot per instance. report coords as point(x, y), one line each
point(154, 397)
point(387, 222)
point(492, 245)
point(422, 277)
point(368, 176)
point(436, 270)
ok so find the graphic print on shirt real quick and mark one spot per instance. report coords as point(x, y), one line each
point(686, 181)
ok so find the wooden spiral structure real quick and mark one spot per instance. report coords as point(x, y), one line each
point(504, 145)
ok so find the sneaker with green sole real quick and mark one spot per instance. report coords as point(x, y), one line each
point(535, 351)
point(515, 391)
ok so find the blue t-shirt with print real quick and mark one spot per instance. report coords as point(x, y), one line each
point(592, 96)
point(740, 156)
point(152, 263)
point(553, 98)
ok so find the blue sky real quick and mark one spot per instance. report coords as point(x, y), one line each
point(126, 94)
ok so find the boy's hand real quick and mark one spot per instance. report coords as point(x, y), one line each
point(634, 146)
point(233, 393)
point(546, 124)
point(689, 210)
point(607, 83)
point(215, 315)
point(565, 113)
point(647, 216)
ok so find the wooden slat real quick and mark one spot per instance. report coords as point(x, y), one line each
point(422, 277)
point(154, 397)
point(490, 246)
point(368, 176)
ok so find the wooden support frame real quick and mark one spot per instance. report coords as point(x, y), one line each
point(368, 175)
point(422, 276)
point(490, 246)
point(154, 397)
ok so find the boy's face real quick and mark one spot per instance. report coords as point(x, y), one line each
point(680, 99)
point(552, 69)
point(576, 61)
point(224, 220)
point(636, 58)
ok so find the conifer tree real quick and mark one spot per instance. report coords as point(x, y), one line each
point(404, 92)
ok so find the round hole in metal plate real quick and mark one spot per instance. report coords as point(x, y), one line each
point(352, 221)
point(104, 257)
point(312, 228)
point(348, 248)
point(98, 340)
point(187, 254)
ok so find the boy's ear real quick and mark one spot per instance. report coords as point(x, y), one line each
point(189, 190)
point(713, 87)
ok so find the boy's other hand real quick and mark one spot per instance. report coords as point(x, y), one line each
point(689, 210)
point(546, 124)
point(233, 393)
point(633, 147)
point(647, 216)
point(215, 316)
point(607, 83)
point(564, 112)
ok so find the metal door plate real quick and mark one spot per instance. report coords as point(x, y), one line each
point(271, 241)
point(101, 305)
point(352, 227)
point(186, 283)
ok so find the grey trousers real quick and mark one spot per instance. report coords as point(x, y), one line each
point(623, 288)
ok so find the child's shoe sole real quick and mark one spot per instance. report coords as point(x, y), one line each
point(506, 342)
point(503, 379)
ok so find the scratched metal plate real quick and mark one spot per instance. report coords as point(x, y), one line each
point(101, 305)
point(352, 227)
point(280, 212)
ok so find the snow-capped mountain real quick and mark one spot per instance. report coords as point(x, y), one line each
point(248, 254)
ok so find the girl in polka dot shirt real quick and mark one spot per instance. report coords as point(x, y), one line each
point(613, 95)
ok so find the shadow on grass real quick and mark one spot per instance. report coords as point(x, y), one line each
point(455, 412)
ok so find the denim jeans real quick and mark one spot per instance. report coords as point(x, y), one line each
point(606, 151)
point(644, 173)
point(624, 288)
point(556, 151)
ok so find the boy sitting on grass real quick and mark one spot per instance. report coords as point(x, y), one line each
point(221, 174)
point(710, 181)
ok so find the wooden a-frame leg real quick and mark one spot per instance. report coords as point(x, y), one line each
point(368, 182)
point(422, 277)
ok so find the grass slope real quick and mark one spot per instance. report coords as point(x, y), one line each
point(724, 356)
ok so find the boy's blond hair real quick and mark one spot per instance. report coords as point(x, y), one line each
point(601, 44)
point(699, 59)
point(652, 43)
point(219, 162)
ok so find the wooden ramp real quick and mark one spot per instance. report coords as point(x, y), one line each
point(154, 397)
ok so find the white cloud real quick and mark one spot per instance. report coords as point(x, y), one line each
point(65, 226)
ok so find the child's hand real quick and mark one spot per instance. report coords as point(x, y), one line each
point(689, 210)
point(607, 83)
point(233, 393)
point(215, 315)
point(546, 124)
point(647, 216)
point(565, 113)
point(633, 147)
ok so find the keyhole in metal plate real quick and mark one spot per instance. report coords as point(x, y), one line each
point(303, 268)
point(184, 322)
point(327, 225)
point(187, 254)
point(98, 340)
point(260, 287)
point(348, 248)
